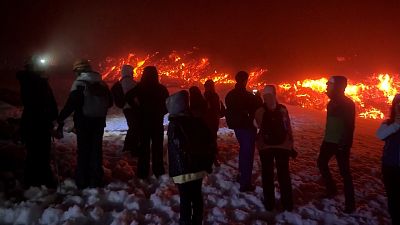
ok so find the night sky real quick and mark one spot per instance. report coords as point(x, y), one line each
point(291, 39)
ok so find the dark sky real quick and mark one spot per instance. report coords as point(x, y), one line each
point(290, 38)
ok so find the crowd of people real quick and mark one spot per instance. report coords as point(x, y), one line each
point(258, 120)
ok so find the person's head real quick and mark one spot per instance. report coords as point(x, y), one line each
point(178, 103)
point(195, 95)
point(195, 91)
point(336, 86)
point(209, 86)
point(395, 108)
point(269, 95)
point(126, 71)
point(81, 65)
point(242, 78)
point(150, 75)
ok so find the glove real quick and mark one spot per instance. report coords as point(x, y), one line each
point(293, 153)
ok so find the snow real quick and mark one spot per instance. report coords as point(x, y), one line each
point(128, 200)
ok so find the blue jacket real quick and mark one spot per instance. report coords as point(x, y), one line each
point(390, 133)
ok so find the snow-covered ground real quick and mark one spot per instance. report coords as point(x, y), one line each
point(127, 200)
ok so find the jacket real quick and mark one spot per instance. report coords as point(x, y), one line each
point(287, 144)
point(240, 108)
point(40, 107)
point(340, 122)
point(150, 101)
point(191, 148)
point(391, 150)
point(75, 101)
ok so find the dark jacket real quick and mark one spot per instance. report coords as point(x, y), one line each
point(240, 108)
point(213, 113)
point(150, 101)
point(340, 122)
point(75, 101)
point(191, 146)
point(40, 107)
point(391, 151)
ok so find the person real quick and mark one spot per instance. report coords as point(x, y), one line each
point(198, 105)
point(191, 149)
point(215, 108)
point(89, 100)
point(338, 140)
point(40, 110)
point(240, 108)
point(119, 90)
point(275, 143)
point(150, 97)
point(389, 132)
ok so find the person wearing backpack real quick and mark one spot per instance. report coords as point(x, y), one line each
point(39, 113)
point(389, 131)
point(240, 108)
point(89, 100)
point(191, 152)
point(275, 146)
point(149, 96)
point(338, 139)
point(119, 90)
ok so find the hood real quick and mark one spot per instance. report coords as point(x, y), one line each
point(178, 103)
point(84, 77)
point(91, 77)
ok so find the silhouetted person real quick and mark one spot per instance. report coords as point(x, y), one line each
point(338, 139)
point(198, 105)
point(389, 131)
point(275, 145)
point(215, 108)
point(40, 110)
point(191, 152)
point(89, 100)
point(240, 108)
point(150, 97)
point(119, 90)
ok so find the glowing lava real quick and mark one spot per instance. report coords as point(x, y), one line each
point(372, 96)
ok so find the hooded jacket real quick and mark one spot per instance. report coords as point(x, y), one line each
point(191, 146)
point(75, 100)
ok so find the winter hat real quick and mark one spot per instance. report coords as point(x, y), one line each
point(178, 102)
point(241, 76)
point(126, 71)
point(269, 89)
point(81, 65)
point(338, 81)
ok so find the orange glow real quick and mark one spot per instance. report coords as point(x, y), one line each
point(372, 96)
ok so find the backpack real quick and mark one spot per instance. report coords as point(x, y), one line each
point(199, 149)
point(273, 128)
point(118, 95)
point(95, 100)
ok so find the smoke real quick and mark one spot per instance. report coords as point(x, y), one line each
point(292, 40)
